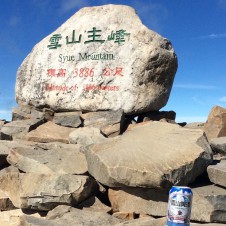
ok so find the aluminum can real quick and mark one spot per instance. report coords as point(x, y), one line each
point(179, 206)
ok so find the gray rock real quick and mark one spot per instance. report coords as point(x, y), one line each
point(32, 159)
point(50, 132)
point(75, 217)
point(219, 145)
point(125, 66)
point(209, 204)
point(6, 145)
point(153, 155)
point(139, 201)
point(109, 122)
point(69, 119)
point(46, 191)
point(86, 136)
point(18, 129)
point(217, 173)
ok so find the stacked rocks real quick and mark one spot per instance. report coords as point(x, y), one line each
point(88, 144)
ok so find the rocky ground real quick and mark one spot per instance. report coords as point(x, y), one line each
point(105, 168)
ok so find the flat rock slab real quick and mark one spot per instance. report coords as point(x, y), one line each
point(59, 160)
point(139, 201)
point(50, 132)
point(68, 119)
point(18, 129)
point(219, 145)
point(46, 191)
point(153, 155)
point(217, 173)
point(93, 64)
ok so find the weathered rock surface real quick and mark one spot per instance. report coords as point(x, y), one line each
point(18, 129)
point(117, 63)
point(75, 217)
point(209, 204)
point(86, 136)
point(68, 119)
point(195, 125)
point(46, 191)
point(139, 201)
point(217, 173)
point(219, 145)
point(142, 157)
point(145, 221)
point(32, 159)
point(50, 132)
point(216, 123)
point(12, 217)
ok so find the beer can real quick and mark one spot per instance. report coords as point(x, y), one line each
point(179, 206)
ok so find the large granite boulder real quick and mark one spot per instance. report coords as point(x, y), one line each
point(102, 58)
point(155, 155)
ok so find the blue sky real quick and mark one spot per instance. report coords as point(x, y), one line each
point(196, 28)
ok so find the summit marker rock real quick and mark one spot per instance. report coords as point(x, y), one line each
point(102, 58)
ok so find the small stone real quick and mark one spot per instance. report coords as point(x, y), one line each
point(50, 132)
point(68, 119)
point(5, 202)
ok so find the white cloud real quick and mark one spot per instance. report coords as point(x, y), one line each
point(212, 36)
point(194, 86)
point(14, 21)
point(223, 99)
point(72, 4)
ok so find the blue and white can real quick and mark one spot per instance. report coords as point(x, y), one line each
point(179, 206)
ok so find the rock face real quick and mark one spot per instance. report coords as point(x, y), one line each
point(219, 145)
point(50, 132)
point(217, 173)
point(216, 123)
point(209, 204)
point(178, 159)
point(45, 191)
point(33, 159)
point(102, 58)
